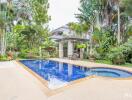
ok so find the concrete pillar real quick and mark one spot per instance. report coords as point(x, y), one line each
point(81, 53)
point(61, 49)
point(70, 48)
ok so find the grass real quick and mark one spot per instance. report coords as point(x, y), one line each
point(104, 61)
point(127, 65)
point(110, 63)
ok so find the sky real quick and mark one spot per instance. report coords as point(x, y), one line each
point(62, 12)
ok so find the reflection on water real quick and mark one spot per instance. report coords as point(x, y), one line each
point(40, 64)
point(70, 70)
point(55, 83)
point(52, 69)
point(60, 67)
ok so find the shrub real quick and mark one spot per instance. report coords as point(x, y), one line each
point(79, 46)
point(127, 50)
point(106, 41)
point(3, 57)
point(116, 56)
point(122, 53)
point(131, 60)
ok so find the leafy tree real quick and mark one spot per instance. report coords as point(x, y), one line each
point(87, 15)
point(79, 28)
point(26, 24)
point(127, 4)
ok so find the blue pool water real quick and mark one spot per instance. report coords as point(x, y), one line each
point(66, 72)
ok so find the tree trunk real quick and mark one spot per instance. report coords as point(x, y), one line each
point(118, 34)
point(91, 40)
point(2, 42)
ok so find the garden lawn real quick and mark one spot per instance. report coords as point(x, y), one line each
point(109, 62)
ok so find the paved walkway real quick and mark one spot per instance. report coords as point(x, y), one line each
point(18, 84)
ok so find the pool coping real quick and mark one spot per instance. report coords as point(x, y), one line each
point(51, 92)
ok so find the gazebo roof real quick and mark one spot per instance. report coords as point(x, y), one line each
point(65, 33)
point(61, 38)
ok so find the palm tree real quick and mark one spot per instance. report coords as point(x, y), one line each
point(108, 15)
point(117, 4)
point(87, 14)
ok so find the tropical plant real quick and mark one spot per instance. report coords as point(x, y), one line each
point(87, 15)
point(122, 53)
point(81, 46)
point(79, 28)
point(127, 6)
point(25, 25)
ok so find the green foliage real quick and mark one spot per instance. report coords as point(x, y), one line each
point(79, 28)
point(127, 4)
point(29, 53)
point(2, 22)
point(97, 36)
point(3, 57)
point(30, 31)
point(127, 50)
point(49, 48)
point(40, 8)
point(122, 53)
point(106, 40)
point(87, 11)
point(116, 56)
point(32, 41)
point(129, 30)
point(79, 46)
point(48, 43)
point(95, 54)
point(11, 40)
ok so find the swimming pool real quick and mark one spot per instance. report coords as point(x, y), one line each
point(62, 73)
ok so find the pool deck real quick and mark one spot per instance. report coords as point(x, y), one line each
point(89, 64)
point(16, 83)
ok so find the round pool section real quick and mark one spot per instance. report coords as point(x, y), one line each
point(109, 72)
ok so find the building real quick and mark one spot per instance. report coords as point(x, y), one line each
point(67, 37)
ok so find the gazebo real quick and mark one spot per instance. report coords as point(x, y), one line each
point(65, 35)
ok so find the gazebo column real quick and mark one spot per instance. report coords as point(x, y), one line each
point(70, 48)
point(61, 49)
point(81, 53)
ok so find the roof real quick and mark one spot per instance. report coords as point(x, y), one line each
point(65, 33)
